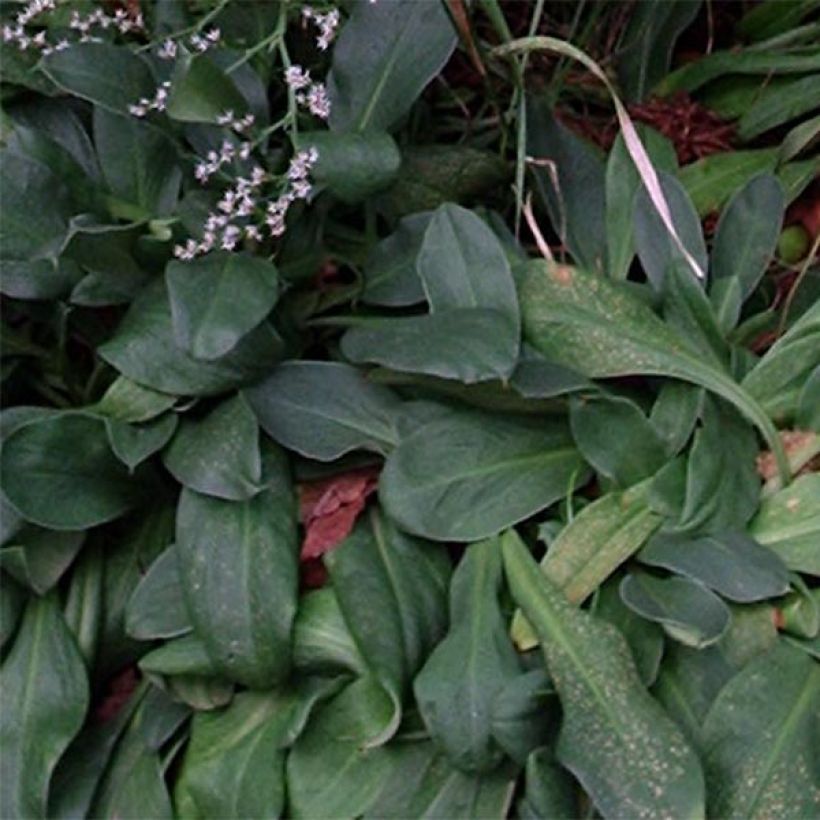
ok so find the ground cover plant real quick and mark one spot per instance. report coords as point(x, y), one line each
point(410, 409)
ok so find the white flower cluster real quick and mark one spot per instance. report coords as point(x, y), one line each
point(310, 94)
point(158, 102)
point(232, 218)
point(214, 160)
point(326, 23)
point(82, 24)
point(169, 49)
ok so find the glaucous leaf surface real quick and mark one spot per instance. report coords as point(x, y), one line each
point(44, 699)
point(218, 299)
point(144, 349)
point(464, 674)
point(686, 609)
point(615, 738)
point(469, 475)
point(62, 474)
point(384, 58)
point(132, 444)
point(549, 790)
point(730, 563)
point(218, 454)
point(238, 570)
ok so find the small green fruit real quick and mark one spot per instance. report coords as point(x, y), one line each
point(793, 244)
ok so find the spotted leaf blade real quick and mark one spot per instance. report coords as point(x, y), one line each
point(615, 738)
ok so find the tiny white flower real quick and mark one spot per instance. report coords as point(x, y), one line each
point(168, 50)
point(297, 78)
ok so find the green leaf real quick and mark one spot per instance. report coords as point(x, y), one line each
point(550, 790)
point(686, 609)
point(61, 473)
point(622, 184)
point(110, 76)
point(238, 569)
point(747, 233)
point(788, 523)
point(591, 547)
point(645, 51)
point(675, 413)
point(777, 106)
point(456, 688)
point(353, 166)
point(382, 61)
point(132, 443)
point(778, 378)
point(472, 331)
point(323, 410)
point(201, 91)
point(144, 349)
point(692, 76)
point(379, 569)
point(653, 243)
point(390, 269)
point(617, 741)
point(37, 558)
point(131, 402)
point(730, 563)
point(424, 784)
point(138, 162)
point(601, 329)
point(760, 739)
point(335, 744)
point(218, 299)
point(218, 454)
point(44, 700)
point(468, 475)
point(185, 655)
point(12, 603)
point(156, 608)
point(574, 190)
point(234, 765)
point(616, 438)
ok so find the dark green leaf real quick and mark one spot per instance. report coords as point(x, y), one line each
point(131, 402)
point(37, 558)
point(384, 58)
point(468, 475)
point(675, 413)
point(628, 755)
point(156, 609)
point(83, 609)
point(324, 410)
point(12, 603)
point(138, 162)
point(761, 737)
point(218, 454)
point(686, 609)
point(456, 688)
point(573, 189)
point(238, 569)
point(550, 790)
point(61, 473)
point(132, 443)
point(144, 349)
point(44, 700)
point(730, 563)
point(353, 166)
point(185, 655)
point(777, 106)
point(201, 91)
point(113, 77)
point(218, 299)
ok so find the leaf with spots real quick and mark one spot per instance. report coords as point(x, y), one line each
point(615, 738)
point(761, 739)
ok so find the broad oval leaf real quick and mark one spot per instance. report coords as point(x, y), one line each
point(132, 444)
point(218, 454)
point(60, 473)
point(238, 569)
point(145, 350)
point(218, 299)
point(37, 558)
point(44, 698)
point(686, 609)
point(384, 57)
point(468, 475)
point(201, 91)
point(615, 738)
point(730, 563)
point(323, 410)
point(761, 738)
point(457, 687)
point(113, 77)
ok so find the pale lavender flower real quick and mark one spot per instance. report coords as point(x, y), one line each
point(297, 78)
point(168, 50)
